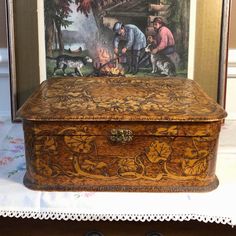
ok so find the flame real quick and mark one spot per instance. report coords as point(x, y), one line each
point(106, 65)
point(116, 71)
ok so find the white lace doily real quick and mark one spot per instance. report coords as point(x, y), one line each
point(116, 217)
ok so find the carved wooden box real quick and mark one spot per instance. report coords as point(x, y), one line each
point(121, 134)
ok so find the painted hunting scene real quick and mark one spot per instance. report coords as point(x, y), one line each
point(117, 37)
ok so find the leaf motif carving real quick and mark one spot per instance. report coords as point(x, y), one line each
point(80, 144)
point(190, 153)
point(167, 131)
point(46, 144)
point(42, 168)
point(193, 153)
point(101, 165)
point(127, 165)
point(195, 167)
point(158, 151)
point(200, 132)
point(99, 168)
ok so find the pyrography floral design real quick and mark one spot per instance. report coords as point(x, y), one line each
point(158, 151)
point(152, 99)
point(79, 143)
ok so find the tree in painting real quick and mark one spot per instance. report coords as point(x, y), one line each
point(89, 25)
point(85, 6)
point(178, 18)
point(56, 15)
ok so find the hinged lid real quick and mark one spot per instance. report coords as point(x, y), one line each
point(121, 99)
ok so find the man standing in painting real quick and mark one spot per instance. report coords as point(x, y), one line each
point(165, 42)
point(135, 42)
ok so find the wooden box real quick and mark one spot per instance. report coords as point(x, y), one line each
point(121, 134)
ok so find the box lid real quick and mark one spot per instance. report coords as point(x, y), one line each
point(121, 99)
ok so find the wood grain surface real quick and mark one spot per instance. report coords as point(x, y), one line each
point(157, 158)
point(130, 134)
point(121, 99)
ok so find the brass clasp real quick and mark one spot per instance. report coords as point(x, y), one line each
point(121, 136)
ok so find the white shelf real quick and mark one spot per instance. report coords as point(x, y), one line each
point(4, 67)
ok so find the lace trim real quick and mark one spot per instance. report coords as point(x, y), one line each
point(116, 217)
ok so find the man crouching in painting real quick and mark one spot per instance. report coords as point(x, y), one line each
point(165, 42)
point(135, 42)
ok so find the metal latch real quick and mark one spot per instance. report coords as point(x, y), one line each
point(121, 136)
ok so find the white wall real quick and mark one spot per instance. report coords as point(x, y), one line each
point(5, 108)
point(4, 72)
point(231, 86)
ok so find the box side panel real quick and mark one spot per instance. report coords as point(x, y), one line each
point(143, 163)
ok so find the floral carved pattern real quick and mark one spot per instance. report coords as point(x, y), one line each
point(79, 144)
point(121, 99)
point(155, 161)
point(158, 151)
point(68, 123)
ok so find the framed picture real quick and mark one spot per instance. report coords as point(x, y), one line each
point(117, 38)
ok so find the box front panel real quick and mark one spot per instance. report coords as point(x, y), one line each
point(135, 163)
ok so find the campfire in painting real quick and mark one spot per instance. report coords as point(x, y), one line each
point(106, 65)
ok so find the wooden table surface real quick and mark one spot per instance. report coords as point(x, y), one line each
point(30, 227)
